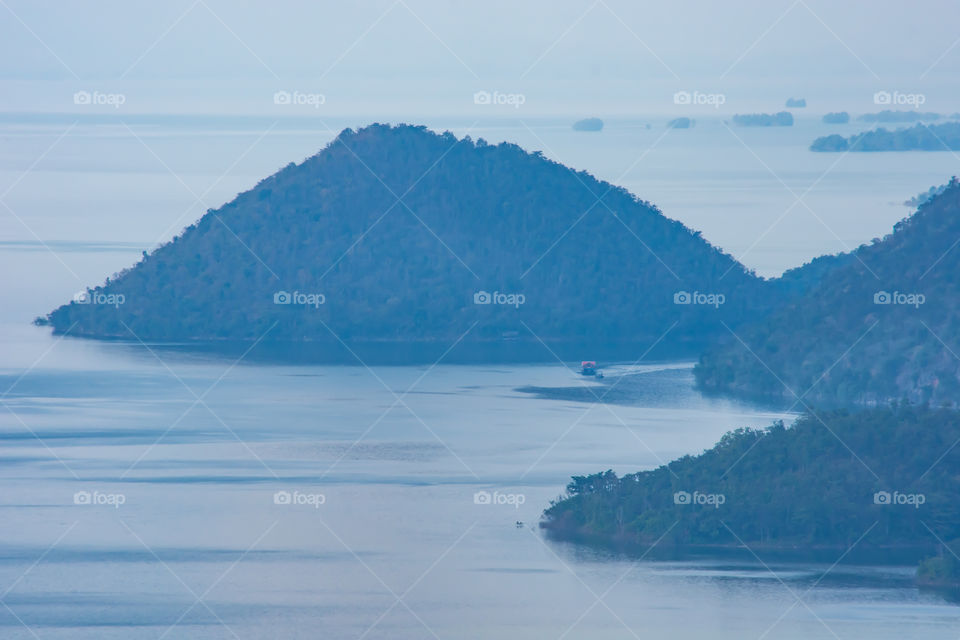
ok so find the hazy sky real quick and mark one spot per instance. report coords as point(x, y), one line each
point(429, 57)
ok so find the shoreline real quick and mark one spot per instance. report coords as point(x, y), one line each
point(901, 555)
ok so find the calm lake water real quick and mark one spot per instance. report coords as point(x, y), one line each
point(199, 520)
point(189, 462)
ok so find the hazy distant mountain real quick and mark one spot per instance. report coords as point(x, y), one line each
point(781, 119)
point(486, 234)
point(836, 117)
point(588, 124)
point(921, 137)
point(889, 115)
point(884, 325)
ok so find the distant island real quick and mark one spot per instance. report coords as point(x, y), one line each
point(787, 488)
point(796, 103)
point(837, 117)
point(880, 326)
point(781, 119)
point(588, 124)
point(487, 243)
point(939, 137)
point(680, 123)
point(833, 142)
point(898, 116)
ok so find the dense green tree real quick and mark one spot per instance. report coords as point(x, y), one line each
point(878, 476)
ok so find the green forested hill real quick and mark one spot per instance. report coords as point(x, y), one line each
point(589, 259)
point(921, 137)
point(878, 478)
point(883, 325)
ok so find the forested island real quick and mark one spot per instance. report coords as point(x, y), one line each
point(941, 137)
point(781, 119)
point(880, 326)
point(397, 233)
point(680, 123)
point(888, 115)
point(588, 124)
point(796, 103)
point(873, 480)
point(836, 117)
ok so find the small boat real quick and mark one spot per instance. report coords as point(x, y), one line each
point(588, 368)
